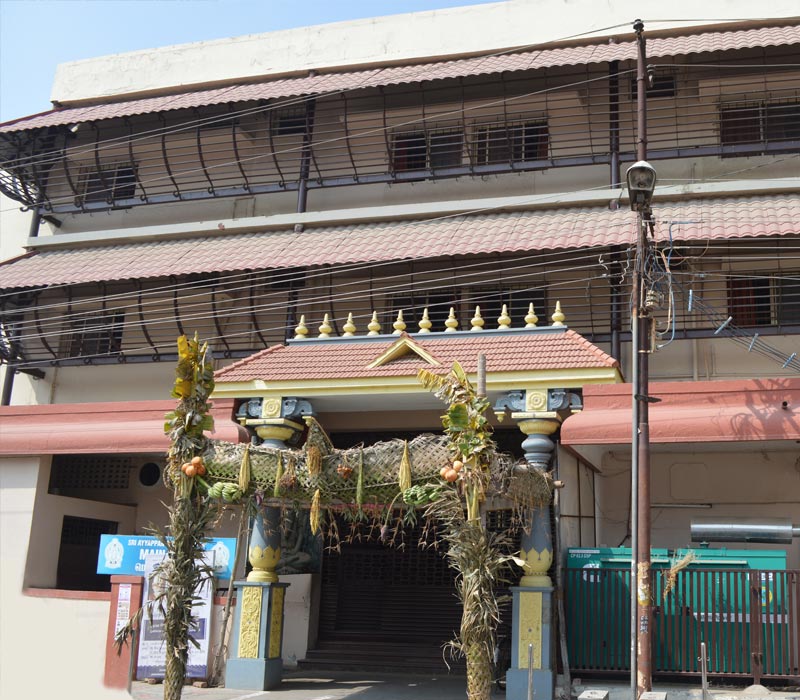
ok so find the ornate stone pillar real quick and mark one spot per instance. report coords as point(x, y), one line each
point(256, 644)
point(537, 542)
point(532, 599)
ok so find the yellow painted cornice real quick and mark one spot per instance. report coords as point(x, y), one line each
point(349, 386)
point(403, 346)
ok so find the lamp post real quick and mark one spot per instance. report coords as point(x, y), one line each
point(641, 178)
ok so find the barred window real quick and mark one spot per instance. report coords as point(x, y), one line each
point(110, 183)
point(97, 335)
point(507, 143)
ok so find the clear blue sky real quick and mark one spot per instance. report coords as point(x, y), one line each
point(37, 35)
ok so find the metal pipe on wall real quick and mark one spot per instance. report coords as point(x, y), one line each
point(305, 158)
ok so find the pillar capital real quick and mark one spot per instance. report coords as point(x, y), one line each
point(541, 422)
point(275, 419)
point(275, 432)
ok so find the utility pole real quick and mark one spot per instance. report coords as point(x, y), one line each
point(641, 183)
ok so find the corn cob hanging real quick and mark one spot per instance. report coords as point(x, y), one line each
point(360, 480)
point(405, 469)
point(314, 459)
point(244, 469)
point(314, 516)
point(276, 490)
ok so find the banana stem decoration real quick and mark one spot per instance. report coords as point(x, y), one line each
point(472, 551)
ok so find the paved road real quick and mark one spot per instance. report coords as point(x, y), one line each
point(330, 686)
point(377, 686)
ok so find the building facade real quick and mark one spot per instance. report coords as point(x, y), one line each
point(470, 197)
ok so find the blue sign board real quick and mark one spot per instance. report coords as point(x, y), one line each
point(126, 554)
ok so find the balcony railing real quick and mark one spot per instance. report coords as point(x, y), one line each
point(482, 126)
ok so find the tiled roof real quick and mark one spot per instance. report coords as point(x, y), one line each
point(507, 232)
point(738, 410)
point(352, 80)
point(545, 349)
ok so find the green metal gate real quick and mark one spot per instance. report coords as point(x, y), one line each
point(746, 615)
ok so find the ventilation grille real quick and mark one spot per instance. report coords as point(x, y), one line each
point(86, 531)
point(90, 472)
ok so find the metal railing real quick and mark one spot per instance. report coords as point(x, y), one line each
point(748, 620)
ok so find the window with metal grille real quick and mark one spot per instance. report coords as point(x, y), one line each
point(77, 554)
point(288, 121)
point(763, 301)
point(787, 302)
point(662, 86)
point(510, 143)
point(759, 122)
point(436, 148)
point(110, 183)
point(99, 335)
point(79, 472)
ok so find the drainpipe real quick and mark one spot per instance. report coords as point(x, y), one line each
point(8, 380)
point(305, 162)
point(614, 182)
point(613, 122)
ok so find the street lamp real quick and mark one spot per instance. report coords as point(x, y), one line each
point(641, 178)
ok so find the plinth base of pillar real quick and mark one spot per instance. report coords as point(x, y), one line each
point(253, 674)
point(517, 684)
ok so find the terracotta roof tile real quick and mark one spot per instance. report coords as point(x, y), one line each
point(544, 349)
point(352, 80)
point(518, 231)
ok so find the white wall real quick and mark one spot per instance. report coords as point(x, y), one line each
point(45, 531)
point(43, 641)
point(740, 483)
point(395, 38)
point(14, 228)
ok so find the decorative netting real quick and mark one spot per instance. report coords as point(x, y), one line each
point(357, 476)
point(367, 477)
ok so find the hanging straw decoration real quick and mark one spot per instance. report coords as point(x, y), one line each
point(405, 469)
point(314, 459)
point(276, 490)
point(244, 470)
point(360, 481)
point(314, 516)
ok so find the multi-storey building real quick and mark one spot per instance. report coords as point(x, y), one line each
point(254, 205)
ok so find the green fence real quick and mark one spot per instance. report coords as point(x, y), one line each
point(746, 616)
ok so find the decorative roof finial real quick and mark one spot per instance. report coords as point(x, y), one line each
point(300, 331)
point(374, 326)
point(558, 317)
point(399, 325)
point(425, 322)
point(349, 327)
point(504, 320)
point(325, 329)
point(451, 322)
point(477, 320)
point(531, 319)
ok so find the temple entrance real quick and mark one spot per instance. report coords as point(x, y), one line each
point(382, 603)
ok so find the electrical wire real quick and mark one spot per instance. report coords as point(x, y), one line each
point(147, 182)
point(548, 198)
point(292, 100)
point(431, 284)
point(227, 117)
point(169, 345)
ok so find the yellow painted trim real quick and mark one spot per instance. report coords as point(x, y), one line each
point(276, 623)
point(500, 381)
point(530, 628)
point(403, 346)
point(250, 622)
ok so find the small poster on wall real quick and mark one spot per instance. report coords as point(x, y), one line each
point(152, 647)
